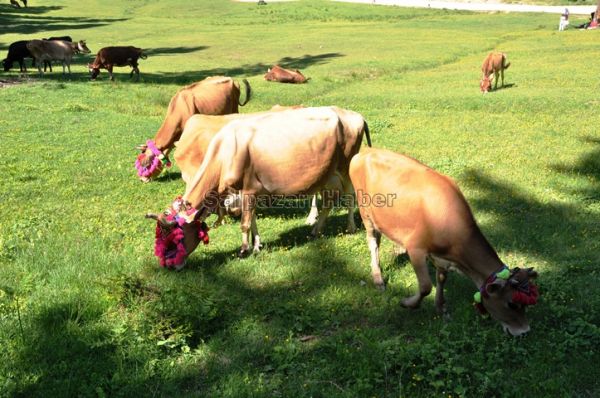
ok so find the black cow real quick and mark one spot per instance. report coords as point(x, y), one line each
point(17, 51)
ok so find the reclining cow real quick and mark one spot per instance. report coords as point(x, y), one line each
point(297, 151)
point(425, 213)
point(494, 64)
point(55, 50)
point(108, 57)
point(216, 95)
point(282, 75)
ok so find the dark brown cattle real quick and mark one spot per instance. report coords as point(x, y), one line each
point(281, 75)
point(108, 57)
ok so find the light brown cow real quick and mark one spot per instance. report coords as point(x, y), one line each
point(425, 212)
point(298, 151)
point(217, 95)
point(282, 75)
point(494, 64)
point(55, 50)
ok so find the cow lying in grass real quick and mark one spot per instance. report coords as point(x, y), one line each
point(292, 152)
point(218, 95)
point(109, 57)
point(494, 64)
point(281, 75)
point(425, 213)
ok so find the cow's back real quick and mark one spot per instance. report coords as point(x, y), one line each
point(407, 200)
point(217, 95)
point(289, 152)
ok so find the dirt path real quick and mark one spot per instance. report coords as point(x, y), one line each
point(492, 5)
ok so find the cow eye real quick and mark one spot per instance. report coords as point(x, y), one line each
point(513, 306)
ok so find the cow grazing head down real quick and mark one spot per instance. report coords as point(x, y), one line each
point(485, 84)
point(6, 64)
point(150, 162)
point(179, 230)
point(94, 70)
point(505, 296)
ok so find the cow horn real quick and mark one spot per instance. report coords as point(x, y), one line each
point(161, 221)
point(142, 147)
point(532, 273)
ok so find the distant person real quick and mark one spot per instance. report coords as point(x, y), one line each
point(564, 20)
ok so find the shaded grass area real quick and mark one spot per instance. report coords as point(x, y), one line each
point(86, 311)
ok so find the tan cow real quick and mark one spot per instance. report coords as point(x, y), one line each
point(494, 64)
point(282, 75)
point(55, 50)
point(425, 212)
point(297, 151)
point(217, 95)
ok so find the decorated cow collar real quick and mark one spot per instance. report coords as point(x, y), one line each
point(168, 246)
point(158, 160)
point(524, 293)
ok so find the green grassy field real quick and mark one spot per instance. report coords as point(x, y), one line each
point(85, 310)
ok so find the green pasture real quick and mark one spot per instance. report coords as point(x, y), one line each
point(85, 309)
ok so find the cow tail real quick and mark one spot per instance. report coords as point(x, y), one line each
point(248, 93)
point(142, 55)
point(367, 134)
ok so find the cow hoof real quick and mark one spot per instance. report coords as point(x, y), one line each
point(243, 253)
point(410, 302)
point(380, 286)
point(257, 249)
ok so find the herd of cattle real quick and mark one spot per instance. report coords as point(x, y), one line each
point(229, 160)
point(43, 52)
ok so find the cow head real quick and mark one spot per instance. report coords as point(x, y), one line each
point(150, 162)
point(506, 299)
point(269, 76)
point(94, 71)
point(179, 230)
point(82, 47)
point(7, 64)
point(485, 84)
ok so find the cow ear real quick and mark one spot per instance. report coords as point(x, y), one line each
point(494, 288)
point(532, 273)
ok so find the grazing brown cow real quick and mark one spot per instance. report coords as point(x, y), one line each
point(494, 64)
point(217, 95)
point(55, 50)
point(296, 151)
point(425, 213)
point(281, 75)
point(108, 57)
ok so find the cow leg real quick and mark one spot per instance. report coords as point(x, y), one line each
point(349, 196)
point(502, 75)
point(109, 68)
point(314, 212)
point(248, 204)
point(495, 80)
point(418, 259)
point(373, 241)
point(256, 236)
point(323, 213)
point(38, 63)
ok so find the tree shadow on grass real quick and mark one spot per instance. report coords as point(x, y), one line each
point(557, 232)
point(172, 50)
point(588, 166)
point(28, 21)
point(187, 77)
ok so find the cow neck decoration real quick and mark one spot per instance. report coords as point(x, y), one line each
point(158, 160)
point(525, 293)
point(169, 247)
